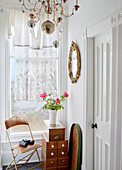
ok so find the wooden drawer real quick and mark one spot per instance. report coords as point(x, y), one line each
point(63, 161)
point(63, 144)
point(63, 168)
point(53, 168)
point(58, 137)
point(52, 145)
point(46, 145)
point(56, 133)
point(51, 163)
point(51, 153)
point(62, 153)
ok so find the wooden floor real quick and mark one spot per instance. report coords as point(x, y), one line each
point(27, 166)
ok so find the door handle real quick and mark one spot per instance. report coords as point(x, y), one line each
point(94, 126)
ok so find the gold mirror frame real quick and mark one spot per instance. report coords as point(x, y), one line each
point(74, 47)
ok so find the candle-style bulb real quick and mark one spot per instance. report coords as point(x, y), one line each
point(76, 7)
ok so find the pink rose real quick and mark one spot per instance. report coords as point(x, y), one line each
point(57, 100)
point(43, 95)
point(65, 94)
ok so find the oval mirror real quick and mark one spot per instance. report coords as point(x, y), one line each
point(74, 64)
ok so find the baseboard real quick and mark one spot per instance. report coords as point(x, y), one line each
point(84, 168)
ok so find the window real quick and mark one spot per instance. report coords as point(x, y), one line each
point(32, 71)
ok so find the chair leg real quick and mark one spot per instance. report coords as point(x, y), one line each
point(14, 159)
point(9, 164)
point(38, 155)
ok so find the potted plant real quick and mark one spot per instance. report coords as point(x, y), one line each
point(53, 105)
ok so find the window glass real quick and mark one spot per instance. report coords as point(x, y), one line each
point(33, 70)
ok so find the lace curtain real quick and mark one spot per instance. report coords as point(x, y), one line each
point(33, 77)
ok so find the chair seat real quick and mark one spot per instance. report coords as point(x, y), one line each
point(22, 149)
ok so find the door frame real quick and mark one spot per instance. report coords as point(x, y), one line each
point(111, 24)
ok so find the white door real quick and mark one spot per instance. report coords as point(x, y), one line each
point(102, 101)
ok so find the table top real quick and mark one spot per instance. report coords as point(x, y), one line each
point(58, 125)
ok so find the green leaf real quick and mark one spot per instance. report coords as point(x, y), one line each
point(51, 104)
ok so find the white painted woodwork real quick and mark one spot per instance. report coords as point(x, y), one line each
point(0, 149)
point(116, 119)
point(112, 24)
point(102, 101)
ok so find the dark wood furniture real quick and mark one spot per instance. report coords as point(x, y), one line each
point(75, 147)
point(54, 148)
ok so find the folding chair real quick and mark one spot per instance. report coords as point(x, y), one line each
point(14, 121)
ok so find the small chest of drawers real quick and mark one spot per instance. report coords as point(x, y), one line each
point(54, 148)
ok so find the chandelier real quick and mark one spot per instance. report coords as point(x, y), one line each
point(54, 10)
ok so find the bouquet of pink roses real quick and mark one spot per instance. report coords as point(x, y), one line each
point(52, 103)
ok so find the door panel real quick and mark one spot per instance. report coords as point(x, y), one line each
point(102, 101)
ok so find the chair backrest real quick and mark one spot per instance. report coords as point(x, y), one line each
point(16, 121)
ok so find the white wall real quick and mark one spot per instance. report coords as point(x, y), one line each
point(91, 11)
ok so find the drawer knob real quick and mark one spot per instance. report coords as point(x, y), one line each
point(56, 137)
point(63, 161)
point(51, 163)
point(52, 153)
point(52, 146)
point(62, 153)
point(62, 145)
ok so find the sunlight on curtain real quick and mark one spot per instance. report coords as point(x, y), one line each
point(33, 71)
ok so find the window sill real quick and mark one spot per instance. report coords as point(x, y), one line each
point(15, 137)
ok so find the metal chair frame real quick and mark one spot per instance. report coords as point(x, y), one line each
point(15, 166)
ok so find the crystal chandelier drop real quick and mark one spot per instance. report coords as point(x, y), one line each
point(54, 10)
